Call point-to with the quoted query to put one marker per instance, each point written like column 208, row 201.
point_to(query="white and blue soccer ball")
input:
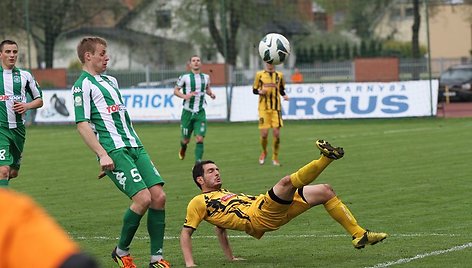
column 274, row 48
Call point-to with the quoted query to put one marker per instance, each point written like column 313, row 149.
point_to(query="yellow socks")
column 264, row 144
column 338, row 211
column 275, row 148
column 308, row 173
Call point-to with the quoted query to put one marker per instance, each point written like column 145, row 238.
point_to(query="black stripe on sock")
column 277, row 199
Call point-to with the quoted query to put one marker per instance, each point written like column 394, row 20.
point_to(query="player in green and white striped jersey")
column 192, row 87
column 105, row 126
column 15, row 84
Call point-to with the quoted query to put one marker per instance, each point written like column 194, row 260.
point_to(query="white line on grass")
column 267, row 236
column 385, row 132
column 421, row 256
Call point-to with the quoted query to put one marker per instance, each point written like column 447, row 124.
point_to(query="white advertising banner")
column 142, row 105
column 344, row 100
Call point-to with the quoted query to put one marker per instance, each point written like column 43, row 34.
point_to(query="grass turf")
column 407, row 177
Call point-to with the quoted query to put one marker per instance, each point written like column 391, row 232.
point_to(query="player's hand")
column 286, row 98
column 106, row 163
column 190, row 94
column 212, row 96
column 20, row 107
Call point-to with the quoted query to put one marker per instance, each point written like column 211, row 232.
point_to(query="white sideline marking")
column 394, row 131
column 387, row 132
column 421, row 256
column 267, row 236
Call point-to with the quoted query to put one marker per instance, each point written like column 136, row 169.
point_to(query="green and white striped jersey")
column 191, row 82
column 98, row 101
column 14, row 85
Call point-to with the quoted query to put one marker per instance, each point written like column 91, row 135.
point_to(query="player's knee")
column 159, row 199
column 328, row 191
column 5, row 172
column 142, row 200
column 199, row 139
column 285, row 181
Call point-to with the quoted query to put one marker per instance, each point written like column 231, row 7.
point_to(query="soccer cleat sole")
column 328, row 150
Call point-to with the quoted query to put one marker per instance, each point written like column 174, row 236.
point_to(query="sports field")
column 409, row 177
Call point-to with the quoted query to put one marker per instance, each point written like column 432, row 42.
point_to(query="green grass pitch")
column 408, row 177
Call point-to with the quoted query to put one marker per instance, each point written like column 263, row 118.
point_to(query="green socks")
column 156, row 224
column 198, row 151
column 130, row 226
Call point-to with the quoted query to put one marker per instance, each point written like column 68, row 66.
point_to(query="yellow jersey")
column 223, row 209
column 254, row 215
column 274, row 84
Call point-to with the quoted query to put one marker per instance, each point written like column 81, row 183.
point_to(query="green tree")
column 360, row 14
column 355, row 51
column 330, row 54
column 48, row 19
column 313, row 56
column 338, row 52
column 346, row 51
column 225, row 19
column 363, row 49
column 321, row 52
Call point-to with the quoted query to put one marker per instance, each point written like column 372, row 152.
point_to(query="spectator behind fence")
column 296, row 77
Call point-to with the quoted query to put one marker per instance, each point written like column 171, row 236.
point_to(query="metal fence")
column 342, row 71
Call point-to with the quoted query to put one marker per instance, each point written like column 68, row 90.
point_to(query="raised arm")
column 186, row 246
column 224, row 243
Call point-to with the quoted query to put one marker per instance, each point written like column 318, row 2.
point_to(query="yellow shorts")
column 270, row 119
column 269, row 215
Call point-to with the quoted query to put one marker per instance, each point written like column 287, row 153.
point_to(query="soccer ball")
column 274, row 48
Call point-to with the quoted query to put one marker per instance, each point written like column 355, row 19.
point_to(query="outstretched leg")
column 324, row 194
column 308, row 173
column 360, row 237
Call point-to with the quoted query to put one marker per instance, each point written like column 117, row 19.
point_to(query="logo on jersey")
column 11, row 97
column 76, row 90
column 77, row 101
column 16, row 79
column 116, row 108
column 228, row 197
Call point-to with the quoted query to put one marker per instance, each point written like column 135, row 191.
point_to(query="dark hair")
column 198, row 171
column 88, row 44
column 7, row 42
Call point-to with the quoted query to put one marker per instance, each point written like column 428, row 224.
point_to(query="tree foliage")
column 221, row 21
column 361, row 14
column 48, row 19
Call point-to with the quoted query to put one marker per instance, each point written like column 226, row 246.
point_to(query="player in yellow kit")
column 269, row 84
column 255, row 215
